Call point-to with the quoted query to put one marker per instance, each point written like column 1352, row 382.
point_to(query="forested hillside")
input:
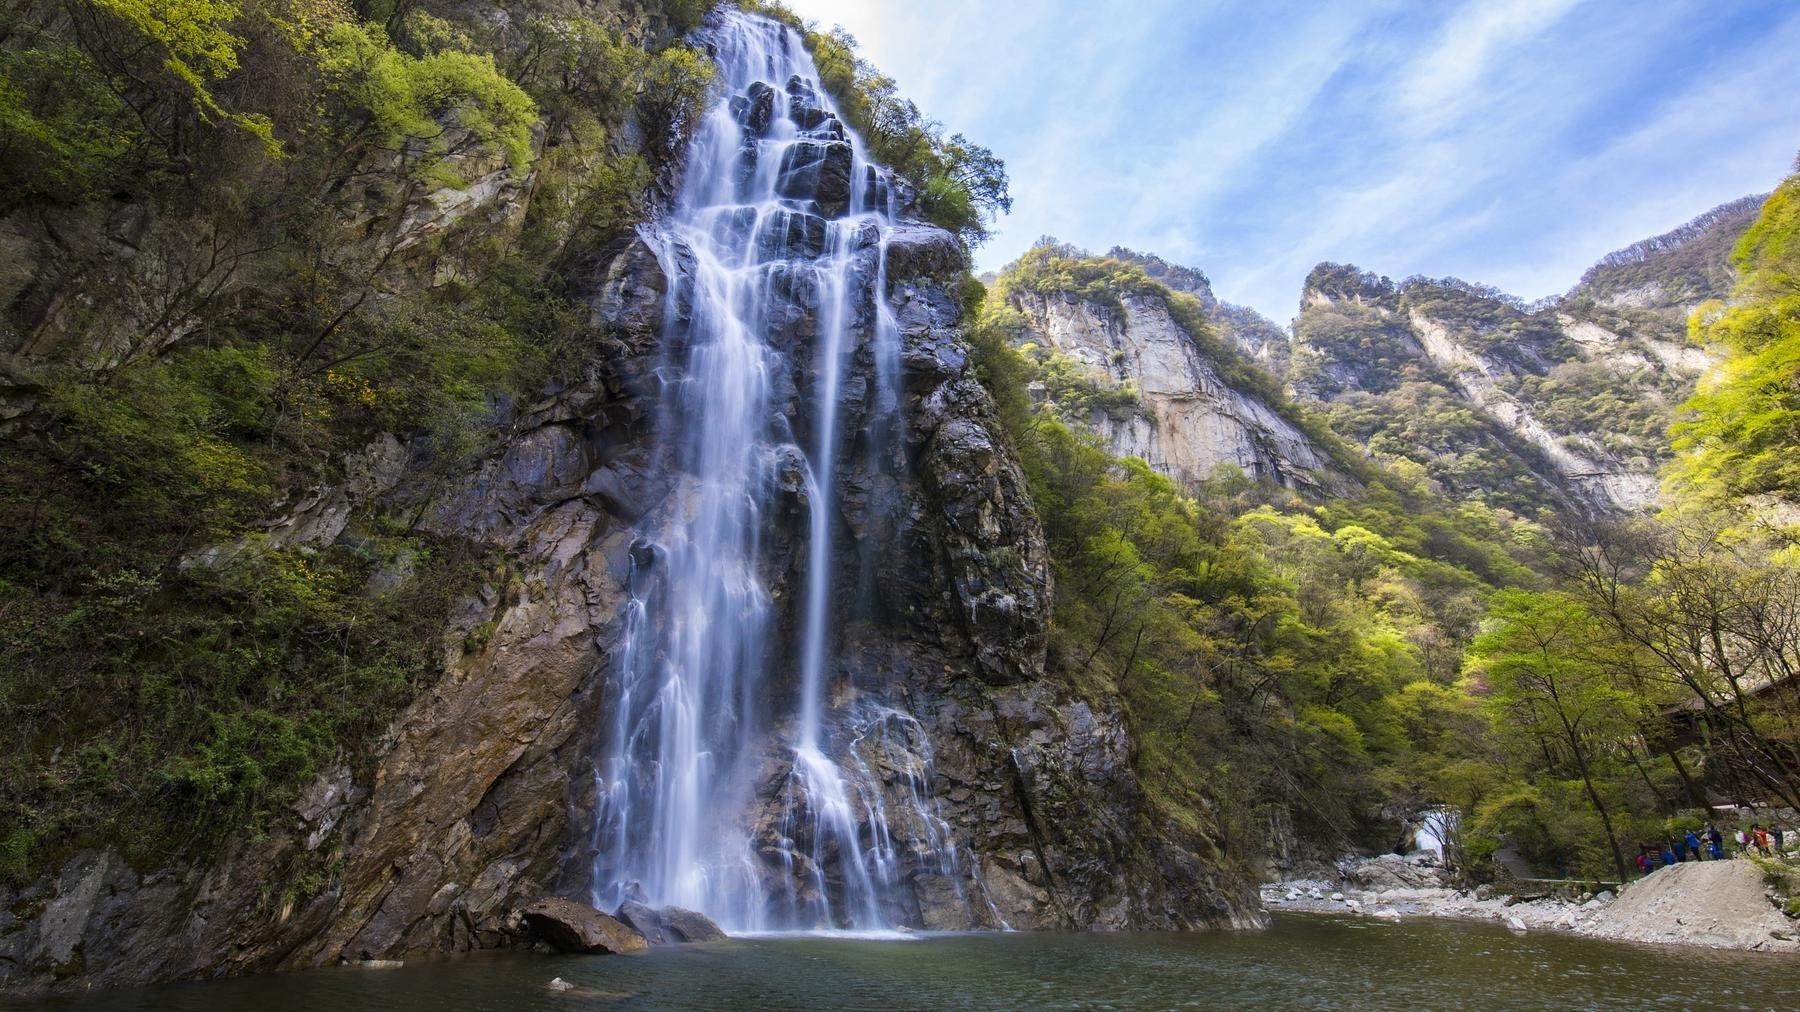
column 1288, row 660
column 1561, row 405
column 1463, row 630
column 246, row 246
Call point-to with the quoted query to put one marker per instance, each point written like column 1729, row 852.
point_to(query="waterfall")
column 776, row 252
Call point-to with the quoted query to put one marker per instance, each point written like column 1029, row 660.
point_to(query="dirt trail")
column 1722, row 904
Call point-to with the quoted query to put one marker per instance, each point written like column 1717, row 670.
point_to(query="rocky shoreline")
column 1719, row 904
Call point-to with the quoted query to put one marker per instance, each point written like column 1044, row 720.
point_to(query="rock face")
column 1191, row 419
column 476, row 807
column 1563, row 404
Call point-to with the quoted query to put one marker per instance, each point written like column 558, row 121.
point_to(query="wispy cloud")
column 1507, row 141
column 1440, row 87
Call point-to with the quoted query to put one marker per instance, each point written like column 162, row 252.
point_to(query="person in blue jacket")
column 1693, row 844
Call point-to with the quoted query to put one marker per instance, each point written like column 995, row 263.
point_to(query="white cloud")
column 1439, row 87
column 1506, row 141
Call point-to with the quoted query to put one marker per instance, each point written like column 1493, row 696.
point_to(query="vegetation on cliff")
column 1744, row 422
column 1278, row 658
column 1571, row 688
column 240, row 242
column 956, row 184
column 1566, row 402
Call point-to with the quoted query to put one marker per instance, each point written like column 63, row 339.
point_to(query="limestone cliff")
column 1566, row 403
column 1190, row 415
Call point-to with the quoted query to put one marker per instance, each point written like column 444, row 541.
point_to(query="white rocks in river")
column 1353, row 904
column 1386, row 915
column 1337, row 897
column 559, row 984
column 1517, row 924
column 1316, row 894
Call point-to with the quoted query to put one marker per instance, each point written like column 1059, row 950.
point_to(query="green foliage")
column 160, row 703
column 1272, row 656
column 406, row 100
column 195, row 44
column 170, row 672
column 63, row 133
column 960, row 185
column 1738, row 432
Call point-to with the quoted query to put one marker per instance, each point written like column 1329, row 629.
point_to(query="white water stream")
column 780, row 209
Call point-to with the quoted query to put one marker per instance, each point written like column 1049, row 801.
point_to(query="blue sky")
column 1511, row 142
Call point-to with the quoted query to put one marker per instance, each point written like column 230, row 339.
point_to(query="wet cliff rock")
column 476, row 805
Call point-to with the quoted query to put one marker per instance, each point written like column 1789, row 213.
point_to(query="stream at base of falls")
column 1301, row 962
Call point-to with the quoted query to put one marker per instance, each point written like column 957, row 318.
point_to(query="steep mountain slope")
column 1173, row 391
column 1566, row 403
column 313, row 600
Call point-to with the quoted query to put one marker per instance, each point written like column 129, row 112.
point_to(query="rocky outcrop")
column 474, row 808
column 1593, row 475
column 1567, row 402
column 567, row 926
column 1191, row 420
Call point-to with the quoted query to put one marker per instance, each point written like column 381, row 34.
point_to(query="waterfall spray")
column 780, row 208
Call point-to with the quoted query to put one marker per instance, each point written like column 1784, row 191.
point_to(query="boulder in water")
column 643, row 919
column 758, row 108
column 669, row 925
column 690, row 926
column 569, row 926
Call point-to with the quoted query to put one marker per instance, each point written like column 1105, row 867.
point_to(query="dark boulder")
column 922, row 251
column 568, row 926
column 791, row 235
column 669, row 925
column 690, row 926
column 804, row 106
column 757, row 108
column 818, row 171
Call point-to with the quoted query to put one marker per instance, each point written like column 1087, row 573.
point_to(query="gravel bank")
column 1722, row 904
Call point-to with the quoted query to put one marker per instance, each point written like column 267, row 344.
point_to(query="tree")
column 1740, row 429
column 1546, row 683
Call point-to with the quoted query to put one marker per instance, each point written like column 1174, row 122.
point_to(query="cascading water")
column 781, row 219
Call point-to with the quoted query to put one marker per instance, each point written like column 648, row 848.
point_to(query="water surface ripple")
column 1302, row 962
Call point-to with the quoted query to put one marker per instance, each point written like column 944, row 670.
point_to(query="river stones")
column 568, row 926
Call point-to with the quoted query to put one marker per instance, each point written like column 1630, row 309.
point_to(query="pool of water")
column 1301, row 962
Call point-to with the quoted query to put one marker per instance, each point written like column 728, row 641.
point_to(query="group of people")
column 1709, row 844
